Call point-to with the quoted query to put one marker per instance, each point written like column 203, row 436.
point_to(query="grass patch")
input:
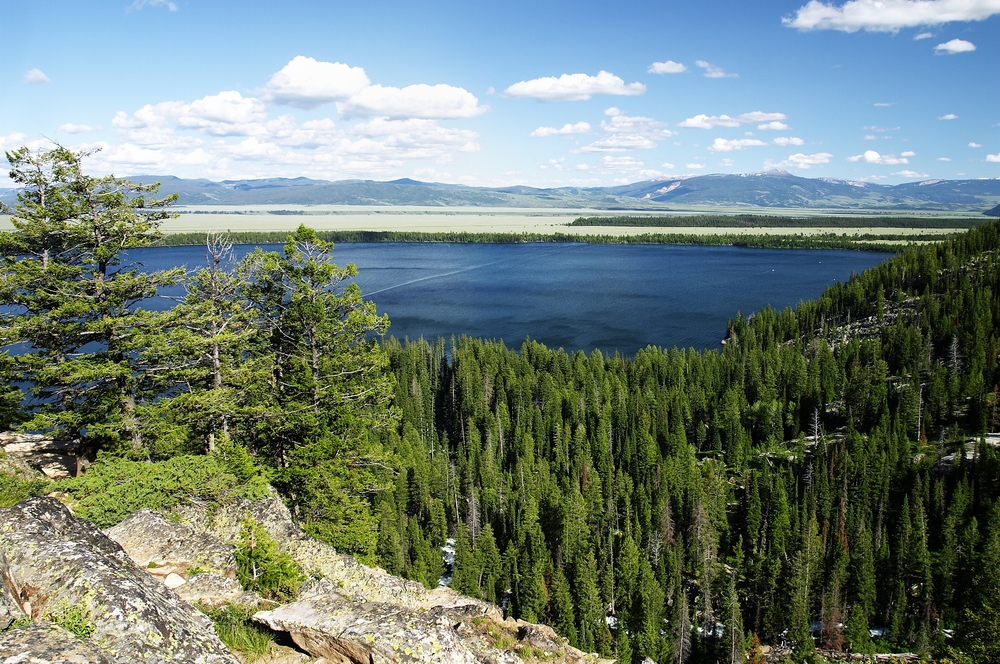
column 74, row 618
column 236, row 628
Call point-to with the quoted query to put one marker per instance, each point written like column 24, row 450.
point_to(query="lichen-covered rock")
column 214, row 591
column 52, row 559
column 352, row 578
column 327, row 624
column 41, row 643
column 163, row 547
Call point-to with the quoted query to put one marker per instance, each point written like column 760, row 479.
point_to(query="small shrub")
column 263, row 568
column 197, row 570
column 19, row 622
column 235, row 626
column 114, row 487
column 74, row 618
column 15, row 489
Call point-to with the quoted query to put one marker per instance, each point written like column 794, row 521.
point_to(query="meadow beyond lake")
column 574, row 296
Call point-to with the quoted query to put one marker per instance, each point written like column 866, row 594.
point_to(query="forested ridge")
column 828, row 470
column 817, row 469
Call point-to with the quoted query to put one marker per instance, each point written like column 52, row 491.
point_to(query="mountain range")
column 768, row 190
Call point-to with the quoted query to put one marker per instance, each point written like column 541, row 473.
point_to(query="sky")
column 538, row 93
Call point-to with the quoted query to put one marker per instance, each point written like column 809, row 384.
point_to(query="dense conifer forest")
column 827, row 480
column 824, row 472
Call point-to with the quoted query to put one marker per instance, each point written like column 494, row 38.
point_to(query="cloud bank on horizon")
column 721, row 90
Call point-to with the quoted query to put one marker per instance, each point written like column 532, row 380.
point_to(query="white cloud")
column 307, row 83
column 139, row 4
column 578, row 128
column 910, row 174
column 923, row 35
column 626, row 132
column 804, row 161
column 702, row 121
column 668, row 67
column 694, row 166
column 871, row 137
column 573, row 87
column 908, row 153
column 774, row 125
column 723, row 145
column 993, row 157
column 888, row 15
column 954, row 46
column 711, row 71
column 944, row 158
column 727, row 162
column 35, row 76
column 884, row 104
column 788, row 140
column 620, row 164
column 413, row 101
column 872, row 157
column 949, row 116
column 667, row 164
column 975, row 145
column 71, row 128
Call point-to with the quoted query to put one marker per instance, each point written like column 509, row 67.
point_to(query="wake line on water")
column 433, row 276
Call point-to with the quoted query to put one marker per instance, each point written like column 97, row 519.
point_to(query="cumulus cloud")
column 954, row 46
column 993, row 157
column 788, row 140
column 627, row 132
column 35, row 76
column 948, row 116
column 668, row 67
column 620, row 164
column 774, row 125
column 884, row 104
column 975, row 145
column 910, row 174
column 872, row 157
column 712, row 71
column 71, row 128
column 307, row 83
column 804, row 161
column 944, row 158
column 694, row 166
column 723, row 145
column 667, row 164
column 888, row 15
column 702, row 121
column 413, row 101
column 574, row 87
column 578, row 128
column 908, row 153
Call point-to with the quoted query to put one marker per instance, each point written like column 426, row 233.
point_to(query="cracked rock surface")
column 51, row 559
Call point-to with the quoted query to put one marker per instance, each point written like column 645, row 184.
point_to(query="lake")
column 574, row 296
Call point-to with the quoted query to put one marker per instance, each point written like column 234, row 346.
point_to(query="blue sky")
column 537, row 93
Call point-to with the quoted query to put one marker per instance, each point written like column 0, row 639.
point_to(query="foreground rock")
column 360, row 615
column 49, row 559
column 163, row 547
column 47, row 644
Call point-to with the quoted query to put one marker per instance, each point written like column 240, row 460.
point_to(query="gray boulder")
column 51, row 559
column 163, row 547
column 40, row 643
column 215, row 591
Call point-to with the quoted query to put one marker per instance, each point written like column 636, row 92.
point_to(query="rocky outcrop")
column 163, row 547
column 47, row 644
column 51, row 559
column 55, row 458
column 214, row 591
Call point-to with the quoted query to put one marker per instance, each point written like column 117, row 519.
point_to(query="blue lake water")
column 574, row 296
